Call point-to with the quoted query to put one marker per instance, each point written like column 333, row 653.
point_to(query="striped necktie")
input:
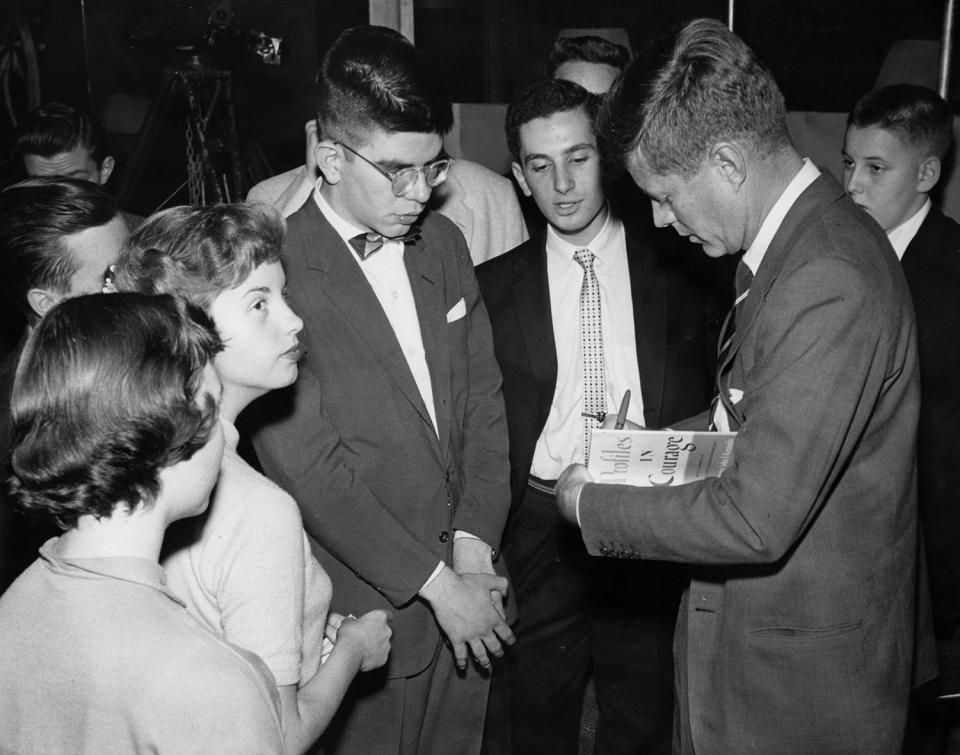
column 742, row 282
column 591, row 347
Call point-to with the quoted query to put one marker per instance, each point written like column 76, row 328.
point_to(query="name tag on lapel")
column 457, row 311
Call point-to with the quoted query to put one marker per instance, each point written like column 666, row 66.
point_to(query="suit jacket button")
column 444, row 536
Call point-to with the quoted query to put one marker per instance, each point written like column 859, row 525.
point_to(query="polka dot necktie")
column 591, row 348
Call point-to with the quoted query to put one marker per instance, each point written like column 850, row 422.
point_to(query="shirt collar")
column 140, row 571
column 901, row 236
column 807, row 174
column 344, row 229
column 603, row 244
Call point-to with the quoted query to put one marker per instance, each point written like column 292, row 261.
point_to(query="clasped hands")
column 467, row 601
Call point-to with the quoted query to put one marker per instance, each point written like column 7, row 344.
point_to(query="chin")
column 714, row 250
column 569, row 225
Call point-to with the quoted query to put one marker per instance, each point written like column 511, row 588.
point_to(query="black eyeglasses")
column 401, row 181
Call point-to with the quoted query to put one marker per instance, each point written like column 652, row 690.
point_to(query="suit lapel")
column 530, row 289
column 340, row 279
column 649, row 298
column 928, row 244
column 823, row 190
column 425, row 271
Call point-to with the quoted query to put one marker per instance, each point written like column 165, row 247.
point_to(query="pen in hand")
column 622, row 413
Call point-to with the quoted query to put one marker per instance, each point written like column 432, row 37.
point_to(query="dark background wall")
column 824, row 53
column 110, row 55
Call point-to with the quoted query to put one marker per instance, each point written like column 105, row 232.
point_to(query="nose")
column 662, row 215
column 419, row 191
column 562, row 180
column 852, row 180
column 292, row 319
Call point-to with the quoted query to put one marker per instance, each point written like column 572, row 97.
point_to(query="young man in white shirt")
column 577, row 614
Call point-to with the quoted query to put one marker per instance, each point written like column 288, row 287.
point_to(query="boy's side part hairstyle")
column 105, row 396
column 198, row 252
column 542, row 100
column 374, row 78
column 36, row 215
column 54, row 128
column 588, row 49
column 917, row 114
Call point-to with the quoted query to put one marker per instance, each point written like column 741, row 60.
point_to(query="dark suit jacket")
column 675, row 344
column 380, row 494
column 797, row 632
column 931, row 265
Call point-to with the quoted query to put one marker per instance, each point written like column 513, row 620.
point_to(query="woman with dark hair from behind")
column 245, row 569
column 115, row 437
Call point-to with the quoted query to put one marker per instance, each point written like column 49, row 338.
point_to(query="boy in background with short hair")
column 893, row 152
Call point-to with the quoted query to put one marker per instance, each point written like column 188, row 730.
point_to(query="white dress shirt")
column 387, row 276
column 561, row 442
column 901, row 236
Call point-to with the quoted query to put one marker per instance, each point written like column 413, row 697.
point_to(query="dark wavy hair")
column 105, row 396
column 53, row 128
column 36, row 216
column 543, row 100
column 198, row 252
column 588, row 49
column 683, row 94
column 373, row 78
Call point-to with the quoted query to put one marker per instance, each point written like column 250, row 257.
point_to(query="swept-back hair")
column 589, row 49
column 543, row 100
column 674, row 107
column 54, row 128
column 371, row 78
column 918, row 115
column 36, row 215
column 106, row 396
column 198, row 252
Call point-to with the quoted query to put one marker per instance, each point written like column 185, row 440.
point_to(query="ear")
column 329, row 157
column 106, row 169
column 518, row 174
column 928, row 174
column 728, row 159
column 42, row 300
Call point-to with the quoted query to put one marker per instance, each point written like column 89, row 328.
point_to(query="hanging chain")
column 195, row 188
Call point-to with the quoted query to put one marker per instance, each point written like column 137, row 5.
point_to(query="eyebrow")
column 399, row 165
column 257, row 290
column 881, row 158
column 567, row 151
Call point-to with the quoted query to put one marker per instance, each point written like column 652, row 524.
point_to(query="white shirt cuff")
column 436, row 573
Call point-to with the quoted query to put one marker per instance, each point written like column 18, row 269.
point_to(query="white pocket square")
column 459, row 310
column 736, row 395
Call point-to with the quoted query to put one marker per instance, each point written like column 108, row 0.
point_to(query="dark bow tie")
column 366, row 244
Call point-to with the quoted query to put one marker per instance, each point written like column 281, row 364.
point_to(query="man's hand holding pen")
column 575, row 476
column 616, row 421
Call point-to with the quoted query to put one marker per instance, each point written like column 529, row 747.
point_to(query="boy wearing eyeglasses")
column 394, row 440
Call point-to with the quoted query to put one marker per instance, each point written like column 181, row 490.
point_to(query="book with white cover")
column 656, row 458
